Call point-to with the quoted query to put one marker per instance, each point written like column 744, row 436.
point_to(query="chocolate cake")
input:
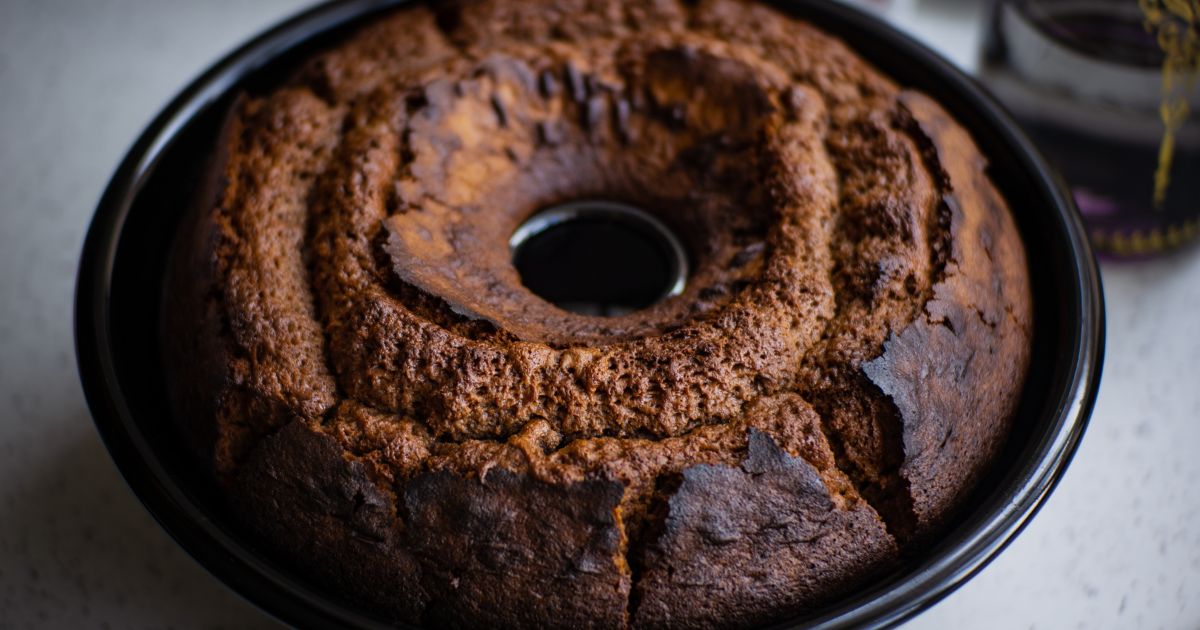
column 392, row 412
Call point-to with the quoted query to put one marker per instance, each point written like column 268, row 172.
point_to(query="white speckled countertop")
column 1116, row 546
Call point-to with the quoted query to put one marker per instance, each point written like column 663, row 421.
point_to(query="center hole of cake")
column 599, row 258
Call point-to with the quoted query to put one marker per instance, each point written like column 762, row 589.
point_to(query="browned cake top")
column 858, row 293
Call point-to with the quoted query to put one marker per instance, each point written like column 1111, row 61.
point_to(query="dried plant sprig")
column 1176, row 26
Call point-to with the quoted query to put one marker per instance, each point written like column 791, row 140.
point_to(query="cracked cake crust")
column 351, row 352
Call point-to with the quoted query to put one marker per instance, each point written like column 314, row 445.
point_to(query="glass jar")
column 1108, row 90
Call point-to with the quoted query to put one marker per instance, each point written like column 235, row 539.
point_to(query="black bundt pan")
column 120, row 284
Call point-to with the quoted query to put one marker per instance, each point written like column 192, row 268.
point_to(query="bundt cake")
column 393, row 413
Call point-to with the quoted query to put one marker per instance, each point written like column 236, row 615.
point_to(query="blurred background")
column 1116, row 546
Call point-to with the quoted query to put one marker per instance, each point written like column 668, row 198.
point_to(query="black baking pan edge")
column 1056, row 403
